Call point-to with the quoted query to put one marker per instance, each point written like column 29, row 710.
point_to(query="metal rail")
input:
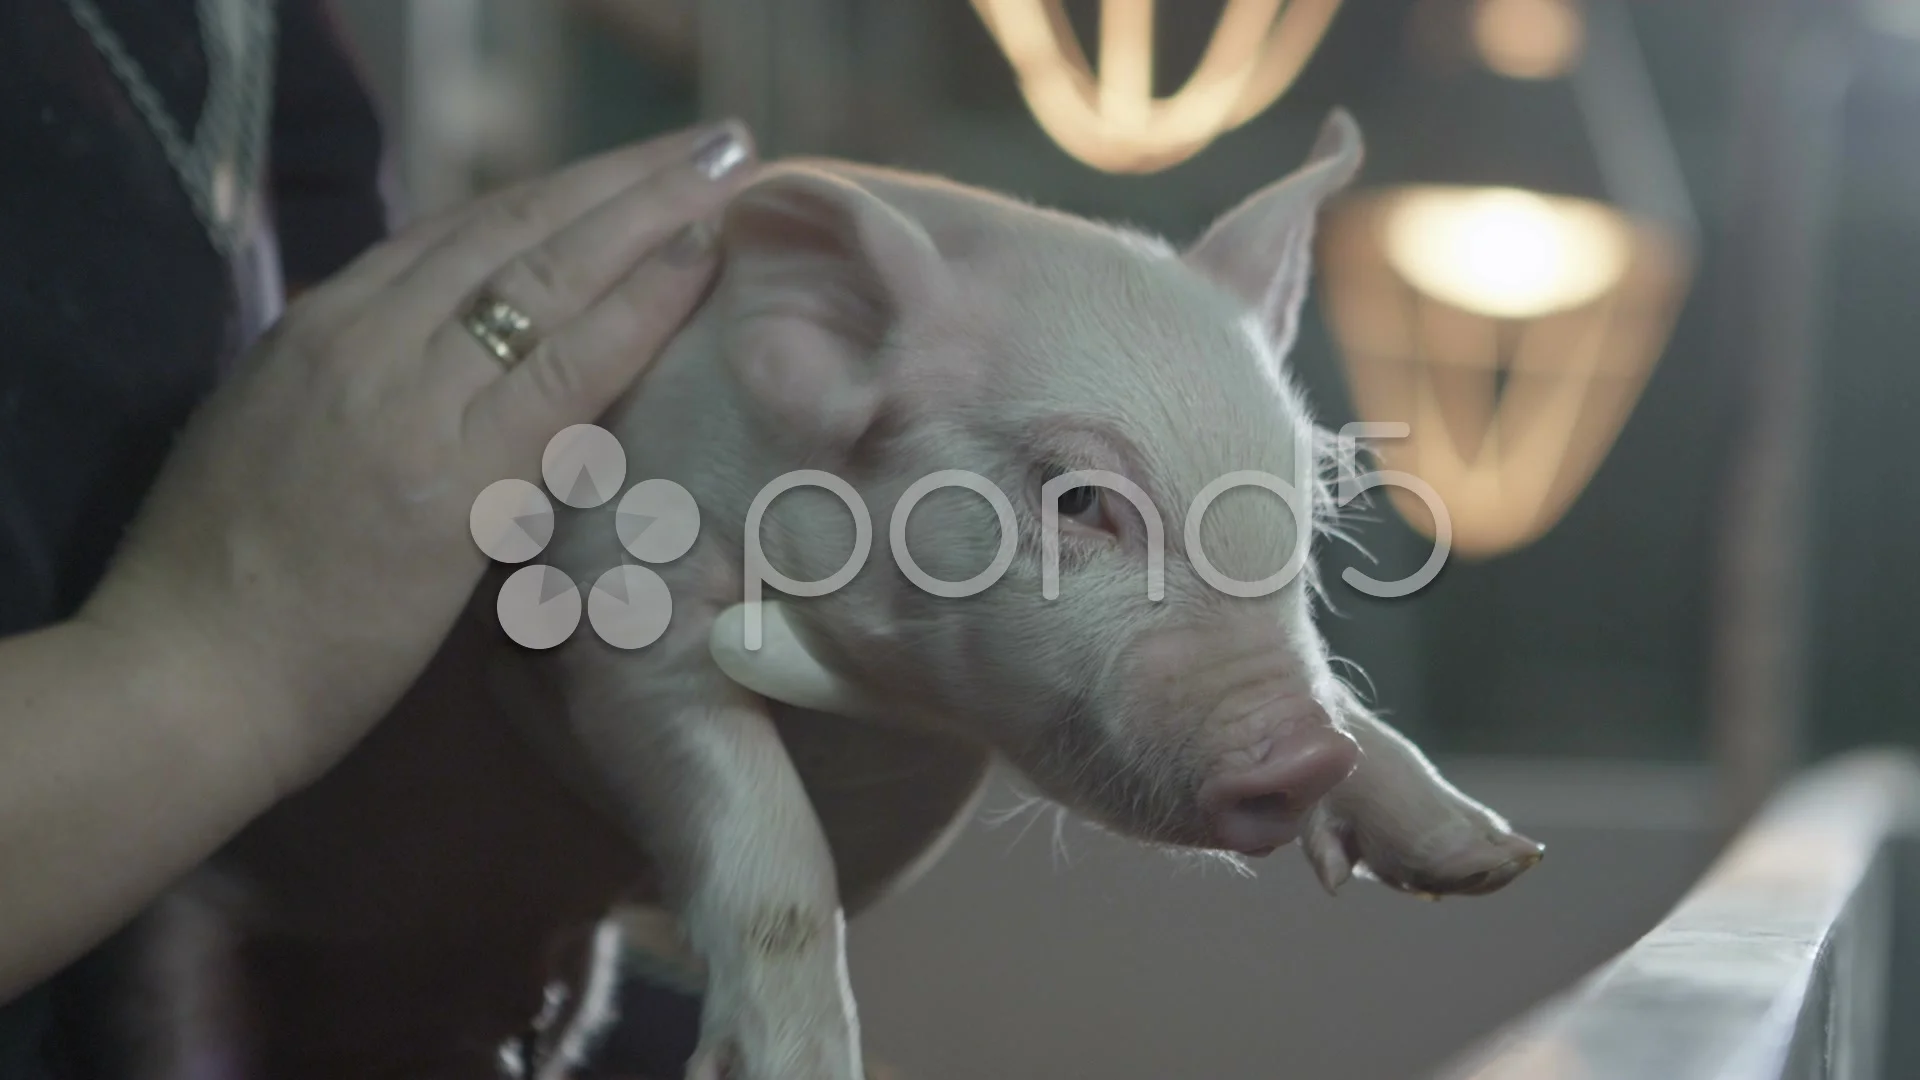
column 1778, row 965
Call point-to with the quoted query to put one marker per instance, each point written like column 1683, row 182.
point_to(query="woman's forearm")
column 124, row 761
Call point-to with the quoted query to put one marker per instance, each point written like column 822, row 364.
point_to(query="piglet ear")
column 820, row 272
column 1262, row 250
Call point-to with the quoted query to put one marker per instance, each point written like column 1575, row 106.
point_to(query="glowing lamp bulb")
column 1503, row 252
column 1528, row 39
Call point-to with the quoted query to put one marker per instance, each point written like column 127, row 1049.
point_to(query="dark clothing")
column 119, row 312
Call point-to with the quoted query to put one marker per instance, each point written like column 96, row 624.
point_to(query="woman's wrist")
column 125, row 760
column 207, row 675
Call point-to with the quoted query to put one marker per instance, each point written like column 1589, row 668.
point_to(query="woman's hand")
column 308, row 540
column 307, row 547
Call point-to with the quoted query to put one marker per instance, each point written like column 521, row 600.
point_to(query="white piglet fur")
column 882, row 326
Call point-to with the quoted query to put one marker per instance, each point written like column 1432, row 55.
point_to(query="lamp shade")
column 1105, row 113
column 1512, row 332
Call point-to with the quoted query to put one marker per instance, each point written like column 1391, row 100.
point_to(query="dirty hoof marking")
column 783, row 931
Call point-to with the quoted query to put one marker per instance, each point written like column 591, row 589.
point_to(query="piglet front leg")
column 1397, row 821
column 696, row 767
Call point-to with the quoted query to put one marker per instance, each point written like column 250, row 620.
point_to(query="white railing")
column 1775, row 966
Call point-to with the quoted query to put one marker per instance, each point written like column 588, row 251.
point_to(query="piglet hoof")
column 716, row 1063
column 730, row 1060
column 1448, row 862
column 802, row 1059
column 777, row 1021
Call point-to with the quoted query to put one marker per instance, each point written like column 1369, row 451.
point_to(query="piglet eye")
column 1075, row 502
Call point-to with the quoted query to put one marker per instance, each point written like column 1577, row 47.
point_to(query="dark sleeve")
column 328, row 149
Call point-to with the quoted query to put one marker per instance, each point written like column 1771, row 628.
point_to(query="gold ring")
column 503, row 329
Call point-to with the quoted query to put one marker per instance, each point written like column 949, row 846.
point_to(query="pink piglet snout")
column 1258, row 808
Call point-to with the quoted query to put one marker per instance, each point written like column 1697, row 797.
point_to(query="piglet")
column 875, row 328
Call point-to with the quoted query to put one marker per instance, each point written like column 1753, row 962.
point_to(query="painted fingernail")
column 689, row 245
column 721, row 152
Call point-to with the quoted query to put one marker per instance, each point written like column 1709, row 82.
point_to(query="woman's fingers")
column 445, row 277
column 552, row 283
column 578, row 373
column 562, row 197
